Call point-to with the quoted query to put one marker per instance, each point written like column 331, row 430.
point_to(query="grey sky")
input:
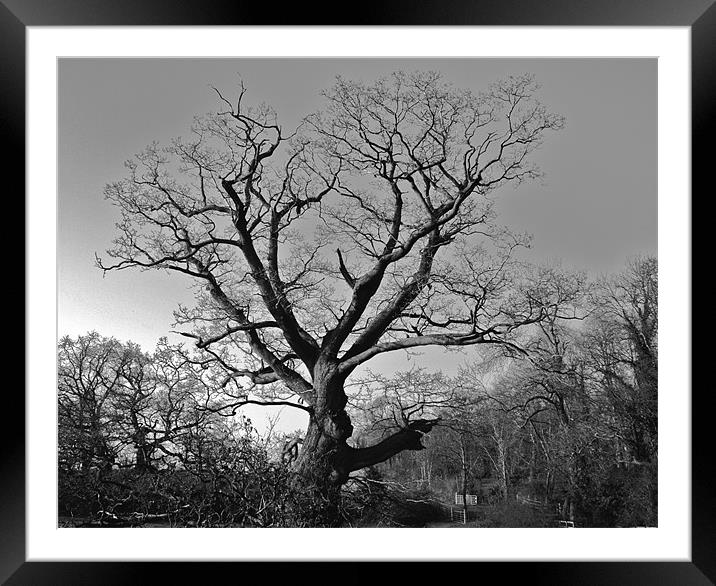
column 596, row 206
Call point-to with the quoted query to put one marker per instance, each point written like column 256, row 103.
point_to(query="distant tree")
column 623, row 346
column 87, row 379
column 318, row 250
column 120, row 406
column 162, row 397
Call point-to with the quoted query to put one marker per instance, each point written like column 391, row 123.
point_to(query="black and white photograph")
column 357, row 293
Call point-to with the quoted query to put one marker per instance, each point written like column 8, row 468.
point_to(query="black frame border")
column 699, row 15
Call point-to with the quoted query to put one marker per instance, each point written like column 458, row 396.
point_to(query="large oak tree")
column 367, row 230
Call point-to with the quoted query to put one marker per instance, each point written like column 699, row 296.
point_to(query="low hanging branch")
column 408, row 438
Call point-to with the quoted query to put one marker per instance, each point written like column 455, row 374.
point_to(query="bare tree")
column 87, row 379
column 623, row 350
column 161, row 397
column 316, row 251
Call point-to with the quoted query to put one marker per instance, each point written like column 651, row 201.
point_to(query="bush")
column 234, row 498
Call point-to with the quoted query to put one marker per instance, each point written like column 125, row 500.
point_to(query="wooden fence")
column 458, row 515
column 470, row 498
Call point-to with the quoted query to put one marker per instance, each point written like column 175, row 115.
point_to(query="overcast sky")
column 596, row 206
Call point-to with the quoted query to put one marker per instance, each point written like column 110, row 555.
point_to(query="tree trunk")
column 502, row 468
column 323, row 465
column 426, row 472
column 325, row 459
column 144, row 458
column 143, row 450
column 465, row 469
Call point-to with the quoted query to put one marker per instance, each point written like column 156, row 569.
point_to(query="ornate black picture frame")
column 17, row 15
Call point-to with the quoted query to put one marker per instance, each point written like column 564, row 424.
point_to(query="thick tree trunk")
column 323, row 462
column 143, row 450
column 144, row 458
column 326, row 460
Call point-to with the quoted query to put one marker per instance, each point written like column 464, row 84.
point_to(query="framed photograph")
column 321, row 293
